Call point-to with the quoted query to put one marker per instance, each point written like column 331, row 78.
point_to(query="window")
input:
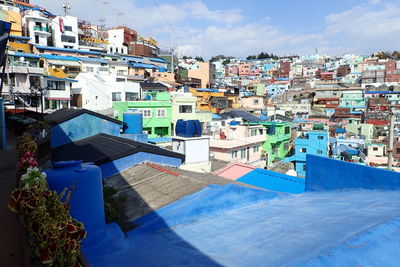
column 161, row 113
column 222, row 123
column 116, row 96
column 146, row 113
column 120, row 72
column 398, row 150
column 34, row 81
column 287, row 130
column 320, row 137
column 68, row 28
column 253, row 132
column 68, row 39
column 375, row 148
column 256, row 149
column 303, row 150
column 185, row 109
column 304, row 167
column 319, row 151
column 255, row 102
column 119, row 80
column 56, row 85
column 131, row 96
column 234, row 154
column 89, row 69
column 36, row 39
column 243, row 153
column 286, row 146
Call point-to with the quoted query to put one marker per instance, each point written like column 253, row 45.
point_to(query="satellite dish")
column 63, row 67
column 53, row 67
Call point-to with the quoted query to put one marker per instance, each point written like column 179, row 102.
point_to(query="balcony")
column 42, row 29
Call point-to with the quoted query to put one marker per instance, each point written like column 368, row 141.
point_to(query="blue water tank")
column 133, row 120
column 188, row 128
column 87, row 204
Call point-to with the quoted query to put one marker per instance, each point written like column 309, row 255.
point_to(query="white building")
column 98, row 92
column 116, row 42
column 36, row 26
column 65, row 32
column 57, row 94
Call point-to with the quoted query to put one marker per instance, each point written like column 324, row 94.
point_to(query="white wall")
column 67, row 21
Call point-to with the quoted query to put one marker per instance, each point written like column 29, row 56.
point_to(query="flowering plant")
column 27, row 161
column 55, row 237
column 33, row 177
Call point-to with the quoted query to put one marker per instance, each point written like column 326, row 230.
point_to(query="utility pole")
column 172, row 55
column 390, row 145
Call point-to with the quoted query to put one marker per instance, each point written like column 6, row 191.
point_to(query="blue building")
column 314, row 143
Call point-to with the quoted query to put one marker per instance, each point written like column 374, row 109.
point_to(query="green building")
column 277, row 144
column 157, row 114
column 361, row 129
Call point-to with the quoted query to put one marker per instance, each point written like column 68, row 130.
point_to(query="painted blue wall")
column 125, row 163
column 324, row 174
column 315, row 143
column 81, row 127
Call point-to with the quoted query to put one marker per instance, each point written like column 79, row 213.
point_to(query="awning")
column 58, row 98
column 64, row 62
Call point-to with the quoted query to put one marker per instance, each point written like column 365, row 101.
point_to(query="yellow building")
column 12, row 14
column 210, row 100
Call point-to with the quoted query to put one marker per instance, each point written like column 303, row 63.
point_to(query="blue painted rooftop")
column 95, row 60
column 141, row 65
column 274, row 181
column 160, row 60
column 60, row 79
column 59, row 57
column 158, row 140
column 19, row 37
column 236, row 226
column 67, row 50
column 340, row 130
column 382, row 92
column 29, row 55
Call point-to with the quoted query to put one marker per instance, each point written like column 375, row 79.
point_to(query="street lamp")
column 42, row 91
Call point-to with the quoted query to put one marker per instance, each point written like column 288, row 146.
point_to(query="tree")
column 251, row 57
column 199, row 59
column 226, row 61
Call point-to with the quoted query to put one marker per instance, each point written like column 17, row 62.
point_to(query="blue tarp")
column 274, row 181
column 236, row 226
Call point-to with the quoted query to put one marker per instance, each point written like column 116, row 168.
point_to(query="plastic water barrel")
column 86, row 204
column 133, row 120
column 188, row 128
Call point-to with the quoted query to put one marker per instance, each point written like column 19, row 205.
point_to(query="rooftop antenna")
column 316, row 51
column 102, row 18
column 66, row 6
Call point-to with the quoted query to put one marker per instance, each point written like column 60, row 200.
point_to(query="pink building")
column 239, row 143
column 244, row 69
column 252, row 103
column 234, row 170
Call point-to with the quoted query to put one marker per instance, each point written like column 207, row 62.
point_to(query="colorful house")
column 277, row 144
column 157, row 114
column 314, row 143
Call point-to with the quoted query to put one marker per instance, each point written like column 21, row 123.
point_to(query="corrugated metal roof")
column 67, row 50
column 142, row 65
column 89, row 59
column 274, row 181
column 160, row 60
column 56, row 57
column 20, row 54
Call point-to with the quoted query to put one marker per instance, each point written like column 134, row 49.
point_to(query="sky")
column 240, row 28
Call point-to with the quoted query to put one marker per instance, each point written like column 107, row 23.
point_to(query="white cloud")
column 374, row 25
column 200, row 11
